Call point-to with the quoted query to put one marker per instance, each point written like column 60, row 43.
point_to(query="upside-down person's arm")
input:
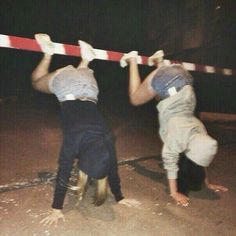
column 113, row 176
column 114, row 180
column 180, row 198
column 170, row 160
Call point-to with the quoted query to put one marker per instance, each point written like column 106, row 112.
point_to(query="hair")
column 101, row 193
column 190, row 175
column 82, row 185
column 101, row 190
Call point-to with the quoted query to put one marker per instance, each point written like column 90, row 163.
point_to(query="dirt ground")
column 30, row 140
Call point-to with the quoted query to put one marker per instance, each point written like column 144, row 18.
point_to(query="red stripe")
column 72, row 50
column 114, row 56
column 200, row 68
column 218, row 70
column 175, row 62
column 144, row 60
column 24, row 43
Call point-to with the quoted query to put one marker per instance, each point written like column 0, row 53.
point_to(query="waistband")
column 71, row 97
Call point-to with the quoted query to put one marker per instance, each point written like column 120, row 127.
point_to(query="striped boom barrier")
column 20, row 43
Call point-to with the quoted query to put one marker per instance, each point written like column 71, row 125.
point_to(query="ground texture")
column 30, row 141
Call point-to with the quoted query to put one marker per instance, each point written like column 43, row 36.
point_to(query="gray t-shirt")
column 74, row 83
column 181, row 132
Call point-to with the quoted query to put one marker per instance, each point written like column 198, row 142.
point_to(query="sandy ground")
column 29, row 144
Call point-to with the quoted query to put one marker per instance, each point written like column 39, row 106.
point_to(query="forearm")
column 115, row 189
column 113, row 176
column 59, row 195
column 62, row 180
column 170, row 161
column 42, row 68
column 206, row 177
column 175, row 193
column 173, row 186
column 114, row 181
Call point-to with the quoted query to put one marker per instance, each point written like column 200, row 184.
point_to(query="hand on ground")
column 53, row 218
column 180, row 199
column 217, row 188
column 130, row 202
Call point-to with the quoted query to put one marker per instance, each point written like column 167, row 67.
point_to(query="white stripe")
column 100, row 54
column 59, row 48
column 5, row 41
column 140, row 60
column 167, row 62
column 227, row 72
column 210, row 69
column 189, row 66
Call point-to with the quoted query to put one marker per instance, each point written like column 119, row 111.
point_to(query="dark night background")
column 197, row 31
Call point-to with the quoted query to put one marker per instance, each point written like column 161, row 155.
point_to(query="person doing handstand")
column 86, row 135
column 183, row 134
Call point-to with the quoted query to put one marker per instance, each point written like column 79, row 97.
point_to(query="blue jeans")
column 97, row 158
column 170, row 76
column 87, row 138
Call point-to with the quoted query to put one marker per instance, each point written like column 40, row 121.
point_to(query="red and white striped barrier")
column 74, row 50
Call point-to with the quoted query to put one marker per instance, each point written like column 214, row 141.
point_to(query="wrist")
column 56, row 210
column 172, row 194
column 206, row 181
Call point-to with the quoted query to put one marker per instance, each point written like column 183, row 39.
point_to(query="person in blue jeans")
column 187, row 148
column 86, row 135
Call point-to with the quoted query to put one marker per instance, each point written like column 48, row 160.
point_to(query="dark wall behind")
column 194, row 31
